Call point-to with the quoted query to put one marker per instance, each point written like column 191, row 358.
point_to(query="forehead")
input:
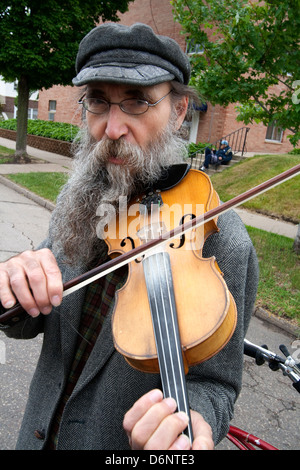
column 113, row 89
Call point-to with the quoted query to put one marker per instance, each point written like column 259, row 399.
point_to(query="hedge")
column 194, row 148
column 50, row 129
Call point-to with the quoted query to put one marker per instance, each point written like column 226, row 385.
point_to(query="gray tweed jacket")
column 108, row 386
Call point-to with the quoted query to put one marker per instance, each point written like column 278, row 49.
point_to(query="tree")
column 250, row 57
column 39, row 41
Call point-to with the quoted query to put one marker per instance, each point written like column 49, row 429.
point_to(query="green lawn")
column 46, row 185
column 5, row 154
column 279, row 284
column 282, row 201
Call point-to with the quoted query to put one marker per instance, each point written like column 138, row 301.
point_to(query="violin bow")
column 100, row 271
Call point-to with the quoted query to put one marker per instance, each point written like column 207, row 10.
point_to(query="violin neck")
column 159, row 282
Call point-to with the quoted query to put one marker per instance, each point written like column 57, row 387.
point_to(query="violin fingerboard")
column 159, row 282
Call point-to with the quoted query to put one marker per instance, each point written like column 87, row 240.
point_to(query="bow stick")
column 90, row 276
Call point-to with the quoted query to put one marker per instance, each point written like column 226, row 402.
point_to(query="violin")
column 165, row 320
column 174, row 310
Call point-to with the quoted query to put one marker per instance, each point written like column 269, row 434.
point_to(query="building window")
column 274, row 133
column 52, row 110
column 32, row 113
column 194, row 48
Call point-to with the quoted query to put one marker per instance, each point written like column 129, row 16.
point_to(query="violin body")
column 205, row 309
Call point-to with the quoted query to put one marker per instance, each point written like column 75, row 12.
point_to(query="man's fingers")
column 8, row 300
column 167, row 433
column 139, row 409
column 34, row 279
column 37, row 281
column 14, row 286
column 54, row 279
column 153, row 423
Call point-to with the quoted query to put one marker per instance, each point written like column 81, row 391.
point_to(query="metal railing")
column 236, row 140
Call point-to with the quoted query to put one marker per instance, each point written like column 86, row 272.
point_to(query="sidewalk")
column 49, row 161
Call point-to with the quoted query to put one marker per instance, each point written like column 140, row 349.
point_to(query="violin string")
column 164, row 284
column 162, row 356
column 68, row 321
column 158, row 334
column 174, row 324
column 163, row 307
column 162, row 318
column 183, row 399
column 172, row 369
column 167, row 282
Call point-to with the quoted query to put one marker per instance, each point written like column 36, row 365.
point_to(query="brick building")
column 209, row 125
column 8, row 94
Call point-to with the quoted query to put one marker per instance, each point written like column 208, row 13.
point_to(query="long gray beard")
column 75, row 225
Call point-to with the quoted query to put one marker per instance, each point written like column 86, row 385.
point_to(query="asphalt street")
column 268, row 406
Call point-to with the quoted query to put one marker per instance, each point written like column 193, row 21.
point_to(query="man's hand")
column 153, row 424
column 33, row 279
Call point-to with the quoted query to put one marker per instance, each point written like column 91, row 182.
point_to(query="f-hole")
column 182, row 238
column 123, row 243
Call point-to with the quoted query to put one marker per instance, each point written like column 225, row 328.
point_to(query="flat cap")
column 132, row 55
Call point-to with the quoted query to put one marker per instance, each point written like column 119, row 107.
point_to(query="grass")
column 46, row 185
column 6, row 154
column 279, row 285
column 281, row 202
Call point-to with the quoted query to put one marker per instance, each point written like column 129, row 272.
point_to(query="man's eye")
column 96, row 101
column 141, row 102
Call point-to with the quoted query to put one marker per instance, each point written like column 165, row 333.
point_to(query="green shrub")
column 295, row 152
column 50, row 129
column 194, row 148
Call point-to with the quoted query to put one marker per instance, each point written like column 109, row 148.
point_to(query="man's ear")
column 181, row 110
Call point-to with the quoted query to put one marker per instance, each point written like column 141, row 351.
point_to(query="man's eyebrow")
column 94, row 92
column 128, row 93
column 138, row 93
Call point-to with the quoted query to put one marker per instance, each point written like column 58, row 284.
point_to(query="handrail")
column 236, row 140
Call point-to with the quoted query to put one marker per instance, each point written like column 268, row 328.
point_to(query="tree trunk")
column 22, row 120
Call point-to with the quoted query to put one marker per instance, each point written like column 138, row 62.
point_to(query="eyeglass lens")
column 131, row 106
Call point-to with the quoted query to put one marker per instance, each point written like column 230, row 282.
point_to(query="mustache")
column 102, row 151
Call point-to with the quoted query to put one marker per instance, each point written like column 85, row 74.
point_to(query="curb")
column 278, row 322
column 25, row 192
column 259, row 312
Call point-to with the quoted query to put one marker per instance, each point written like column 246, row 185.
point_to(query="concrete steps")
column 198, row 162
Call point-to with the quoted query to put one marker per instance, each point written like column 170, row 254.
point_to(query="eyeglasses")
column 128, row 106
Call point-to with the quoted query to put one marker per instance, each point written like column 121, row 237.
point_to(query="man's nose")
column 116, row 123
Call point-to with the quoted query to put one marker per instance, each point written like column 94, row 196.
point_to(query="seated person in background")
column 220, row 157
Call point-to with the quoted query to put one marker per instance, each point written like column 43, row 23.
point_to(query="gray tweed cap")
column 132, row 55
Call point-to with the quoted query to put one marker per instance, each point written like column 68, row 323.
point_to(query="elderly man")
column 84, row 395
